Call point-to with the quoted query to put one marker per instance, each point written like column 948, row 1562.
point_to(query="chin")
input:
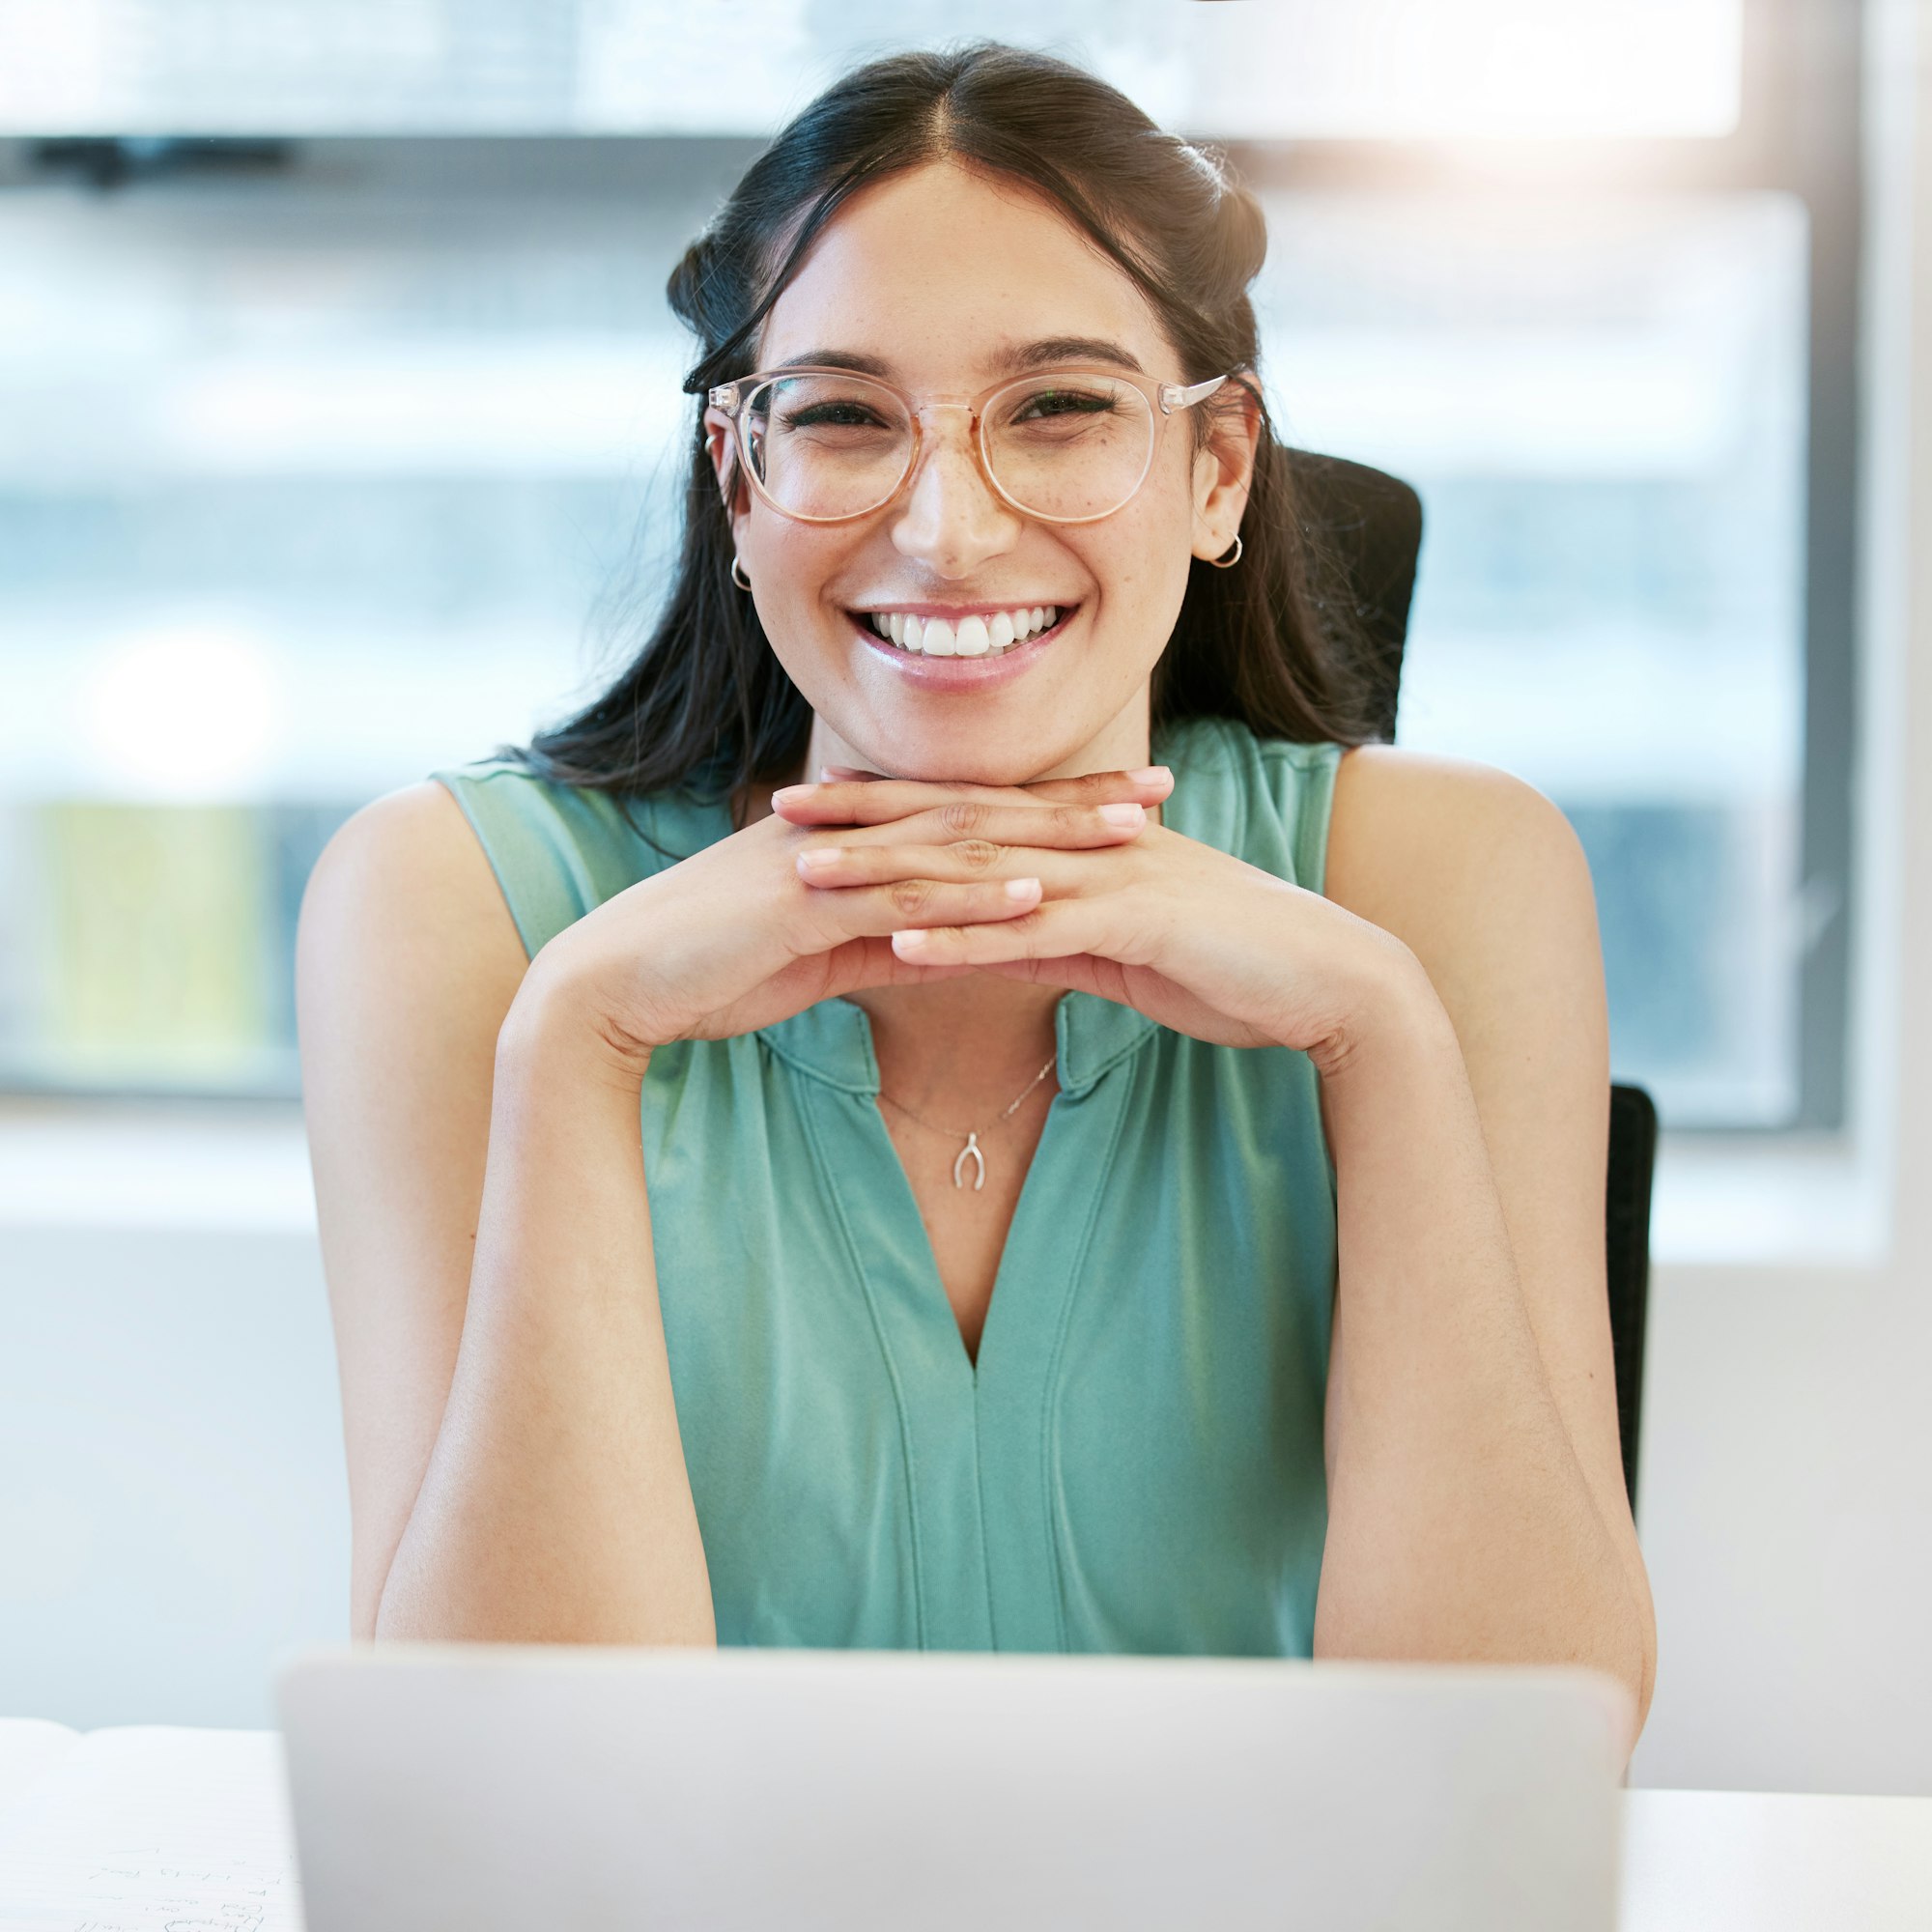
column 951, row 763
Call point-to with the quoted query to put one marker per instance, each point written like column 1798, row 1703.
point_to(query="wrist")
column 1393, row 1012
column 554, row 1019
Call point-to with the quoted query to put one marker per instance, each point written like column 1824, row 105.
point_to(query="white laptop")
column 505, row 1788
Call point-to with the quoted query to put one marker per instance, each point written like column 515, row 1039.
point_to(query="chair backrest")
column 1369, row 526
column 1627, row 1216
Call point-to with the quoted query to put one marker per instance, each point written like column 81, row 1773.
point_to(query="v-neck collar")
column 832, row 1041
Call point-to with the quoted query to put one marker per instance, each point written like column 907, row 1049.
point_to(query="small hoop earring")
column 1228, row 562
column 738, row 576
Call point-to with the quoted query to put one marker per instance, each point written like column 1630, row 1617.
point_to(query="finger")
column 966, row 863
column 866, row 855
column 873, row 801
column 1149, row 785
column 879, row 911
column 980, row 821
column 875, row 964
column 955, row 865
column 1051, row 930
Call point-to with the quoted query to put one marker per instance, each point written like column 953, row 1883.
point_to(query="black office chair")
column 1370, row 525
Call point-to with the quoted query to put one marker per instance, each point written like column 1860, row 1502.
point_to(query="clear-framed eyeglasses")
column 1067, row 445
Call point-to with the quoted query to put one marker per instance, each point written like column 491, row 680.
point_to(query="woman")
column 983, row 877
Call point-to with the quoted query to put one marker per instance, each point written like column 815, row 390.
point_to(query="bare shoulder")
column 1448, row 853
column 407, row 964
column 410, row 858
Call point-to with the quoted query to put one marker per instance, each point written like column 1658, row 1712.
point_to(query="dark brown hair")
column 705, row 702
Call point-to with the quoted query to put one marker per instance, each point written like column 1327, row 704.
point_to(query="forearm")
column 1461, row 1523
column 556, row 1506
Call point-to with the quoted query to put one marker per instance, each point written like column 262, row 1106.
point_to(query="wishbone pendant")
column 972, row 1147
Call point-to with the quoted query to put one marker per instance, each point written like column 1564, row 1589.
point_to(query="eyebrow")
column 1045, row 353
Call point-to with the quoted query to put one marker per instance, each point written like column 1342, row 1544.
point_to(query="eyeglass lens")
column 1060, row 447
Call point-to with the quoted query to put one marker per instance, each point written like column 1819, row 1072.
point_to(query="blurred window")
column 1302, row 69
column 1604, row 408
column 327, row 460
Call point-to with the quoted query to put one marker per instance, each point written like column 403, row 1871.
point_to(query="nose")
column 950, row 519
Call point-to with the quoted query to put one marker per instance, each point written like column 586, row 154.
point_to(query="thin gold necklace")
column 972, row 1134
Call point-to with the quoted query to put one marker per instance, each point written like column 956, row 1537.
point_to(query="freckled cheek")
column 1145, row 560
column 792, row 565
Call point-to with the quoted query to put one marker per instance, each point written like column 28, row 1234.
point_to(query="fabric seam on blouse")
column 1049, row 1455
column 979, row 1500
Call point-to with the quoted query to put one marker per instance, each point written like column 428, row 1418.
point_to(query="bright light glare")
column 190, row 711
column 54, row 62
column 1406, row 69
column 1253, row 69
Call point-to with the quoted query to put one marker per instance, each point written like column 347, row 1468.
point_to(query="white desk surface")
column 1775, row 1861
column 1693, row 1861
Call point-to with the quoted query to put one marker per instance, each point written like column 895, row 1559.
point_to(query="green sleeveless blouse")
column 1135, row 1464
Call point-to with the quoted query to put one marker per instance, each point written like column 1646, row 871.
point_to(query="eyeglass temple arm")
column 1174, row 397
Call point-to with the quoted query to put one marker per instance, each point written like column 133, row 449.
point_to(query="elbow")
column 1631, row 1664
column 1636, row 1665
column 1623, row 1651
column 1645, row 1676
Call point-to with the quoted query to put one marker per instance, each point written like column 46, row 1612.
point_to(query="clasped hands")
column 1134, row 911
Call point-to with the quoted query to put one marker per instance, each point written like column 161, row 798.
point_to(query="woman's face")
column 942, row 279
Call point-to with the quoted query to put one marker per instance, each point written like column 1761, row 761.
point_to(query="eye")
column 839, row 415
column 1045, row 404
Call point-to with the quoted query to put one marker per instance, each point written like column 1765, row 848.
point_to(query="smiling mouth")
column 979, row 635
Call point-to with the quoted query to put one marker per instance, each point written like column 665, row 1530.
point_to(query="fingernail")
column 820, row 858
column 1123, row 815
column 791, row 791
column 1150, row 774
column 1022, row 889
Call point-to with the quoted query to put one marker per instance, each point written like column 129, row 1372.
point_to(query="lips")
column 954, row 672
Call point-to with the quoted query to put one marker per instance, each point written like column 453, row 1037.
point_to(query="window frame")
column 1801, row 132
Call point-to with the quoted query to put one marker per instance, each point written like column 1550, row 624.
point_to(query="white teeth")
column 971, row 637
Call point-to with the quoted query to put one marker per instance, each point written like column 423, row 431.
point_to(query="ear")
column 721, row 446
column 1224, row 466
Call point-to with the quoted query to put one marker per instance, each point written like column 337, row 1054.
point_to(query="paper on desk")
column 144, row 1827
column 29, row 1750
